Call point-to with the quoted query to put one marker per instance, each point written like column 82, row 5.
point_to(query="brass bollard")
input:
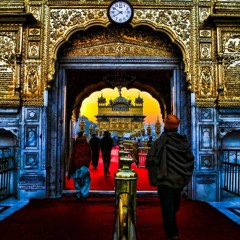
column 125, row 201
column 122, row 153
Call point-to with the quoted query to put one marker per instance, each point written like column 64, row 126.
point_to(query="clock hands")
column 116, row 9
column 119, row 12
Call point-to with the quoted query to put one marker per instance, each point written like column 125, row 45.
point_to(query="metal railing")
column 231, row 170
column 137, row 153
column 6, row 171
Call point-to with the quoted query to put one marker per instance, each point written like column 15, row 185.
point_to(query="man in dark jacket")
column 95, row 146
column 106, row 145
column 176, row 164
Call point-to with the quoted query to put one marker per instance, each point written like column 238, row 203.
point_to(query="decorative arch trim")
column 174, row 22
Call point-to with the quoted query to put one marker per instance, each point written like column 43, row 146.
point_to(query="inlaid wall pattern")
column 31, row 139
column 207, row 162
column 206, row 114
column 206, row 137
column 32, row 114
column 31, row 161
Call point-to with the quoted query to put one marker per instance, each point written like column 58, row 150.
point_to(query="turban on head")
column 171, row 122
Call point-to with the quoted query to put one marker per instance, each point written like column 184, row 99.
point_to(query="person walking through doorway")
column 79, row 166
column 106, row 145
column 175, row 171
column 95, row 146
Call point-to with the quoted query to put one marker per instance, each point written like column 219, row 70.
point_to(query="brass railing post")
column 125, row 201
column 121, row 153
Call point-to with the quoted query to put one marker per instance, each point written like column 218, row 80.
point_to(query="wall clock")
column 120, row 11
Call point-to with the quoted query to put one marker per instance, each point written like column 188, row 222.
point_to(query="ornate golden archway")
column 174, row 23
column 119, row 45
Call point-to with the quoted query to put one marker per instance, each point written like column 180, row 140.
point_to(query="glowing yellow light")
column 151, row 108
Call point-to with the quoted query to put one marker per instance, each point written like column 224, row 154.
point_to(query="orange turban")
column 171, row 122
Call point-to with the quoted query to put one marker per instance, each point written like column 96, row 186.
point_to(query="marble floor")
column 10, row 205
column 229, row 207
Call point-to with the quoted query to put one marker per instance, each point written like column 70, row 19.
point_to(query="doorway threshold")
column 109, row 193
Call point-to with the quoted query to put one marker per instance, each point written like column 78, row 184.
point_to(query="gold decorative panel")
column 230, row 46
column 206, row 80
column 205, row 51
column 34, row 49
column 36, row 12
column 64, row 22
column 9, row 54
column 205, row 33
column 204, row 12
column 32, row 80
column 209, row 52
column 120, row 41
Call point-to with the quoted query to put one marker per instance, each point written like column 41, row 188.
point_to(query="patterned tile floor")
column 231, row 208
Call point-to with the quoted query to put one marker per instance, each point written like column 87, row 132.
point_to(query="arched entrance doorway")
column 147, row 60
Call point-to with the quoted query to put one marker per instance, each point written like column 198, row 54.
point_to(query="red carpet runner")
column 68, row 219
column 101, row 182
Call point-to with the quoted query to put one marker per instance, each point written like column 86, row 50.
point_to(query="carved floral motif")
column 115, row 41
column 231, row 63
column 8, row 48
column 205, row 33
column 36, row 11
column 231, row 48
column 34, row 49
column 32, row 79
column 205, row 51
column 176, row 20
column 206, row 81
column 8, row 64
column 34, row 32
column 63, row 21
column 203, row 14
column 231, row 42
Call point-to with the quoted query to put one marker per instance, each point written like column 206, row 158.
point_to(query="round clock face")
column 120, row 11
